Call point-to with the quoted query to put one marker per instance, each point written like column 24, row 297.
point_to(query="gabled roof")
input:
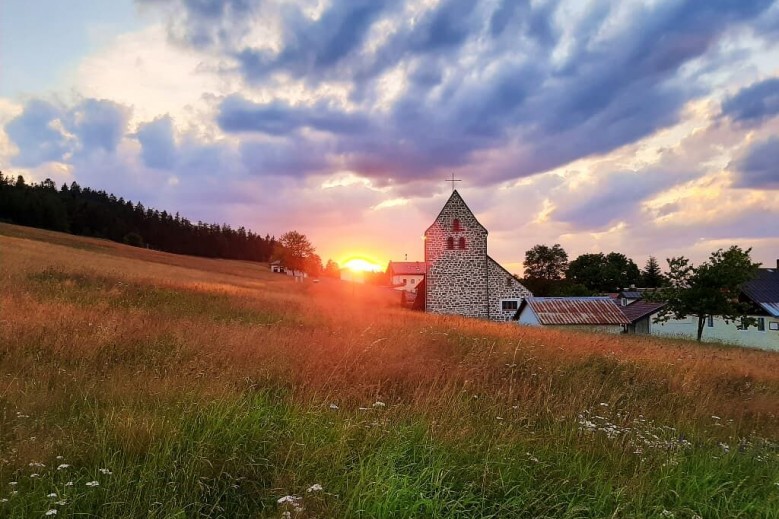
column 454, row 197
column 763, row 290
column 638, row 310
column 630, row 294
column 574, row 310
column 406, row 268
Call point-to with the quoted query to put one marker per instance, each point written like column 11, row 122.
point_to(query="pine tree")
column 651, row 275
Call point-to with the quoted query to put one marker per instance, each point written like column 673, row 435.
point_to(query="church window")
column 456, row 225
column 461, row 243
column 450, row 243
column 509, row 304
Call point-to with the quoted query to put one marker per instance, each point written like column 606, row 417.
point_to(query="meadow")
column 135, row 383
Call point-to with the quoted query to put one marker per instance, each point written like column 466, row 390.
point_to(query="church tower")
column 456, row 258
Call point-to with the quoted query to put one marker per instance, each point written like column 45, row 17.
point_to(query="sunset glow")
column 359, row 264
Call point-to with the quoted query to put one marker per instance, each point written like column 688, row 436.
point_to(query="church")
column 461, row 278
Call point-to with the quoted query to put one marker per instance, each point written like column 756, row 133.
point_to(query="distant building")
column 277, row 267
column 406, row 275
column 461, row 278
column 762, row 293
column 640, row 314
column 597, row 314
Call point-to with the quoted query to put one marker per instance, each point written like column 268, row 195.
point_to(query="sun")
column 361, row 264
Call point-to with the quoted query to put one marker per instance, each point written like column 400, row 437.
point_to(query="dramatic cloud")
column 158, row 148
column 759, row 167
column 754, row 103
column 38, row 134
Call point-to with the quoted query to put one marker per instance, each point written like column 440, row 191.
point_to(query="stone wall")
column 456, row 279
column 502, row 285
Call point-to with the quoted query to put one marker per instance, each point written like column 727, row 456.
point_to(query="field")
column 135, row 383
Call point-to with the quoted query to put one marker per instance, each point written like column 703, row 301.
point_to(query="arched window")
column 450, row 243
column 456, row 225
column 461, row 243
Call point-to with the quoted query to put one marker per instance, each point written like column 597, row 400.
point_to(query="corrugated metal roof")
column 639, row 309
column 576, row 310
column 764, row 290
column 400, row 268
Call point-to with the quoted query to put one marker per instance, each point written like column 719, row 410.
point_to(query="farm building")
column 597, row 314
column 461, row 278
column 640, row 314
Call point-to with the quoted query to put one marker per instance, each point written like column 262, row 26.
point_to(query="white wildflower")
column 13, row 483
column 379, row 403
column 286, row 515
column 69, row 484
column 667, row 513
column 604, row 404
column 36, row 464
column 63, row 466
column 61, row 502
column 93, row 484
column 499, row 418
column 35, row 475
column 4, row 500
column 53, row 511
column 107, row 472
column 316, row 487
column 60, row 457
column 725, row 447
column 715, row 417
column 333, row 407
column 52, row 495
column 288, row 500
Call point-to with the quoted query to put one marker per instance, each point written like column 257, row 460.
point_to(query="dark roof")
column 400, row 268
column 630, row 294
column 574, row 310
column 763, row 290
column 638, row 310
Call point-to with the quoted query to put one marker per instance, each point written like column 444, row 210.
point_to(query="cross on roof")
column 453, row 180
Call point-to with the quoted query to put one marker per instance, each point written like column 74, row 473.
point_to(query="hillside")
column 136, row 383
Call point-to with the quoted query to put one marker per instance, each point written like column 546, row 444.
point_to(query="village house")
column 592, row 314
column 461, row 278
column 762, row 293
column 406, row 275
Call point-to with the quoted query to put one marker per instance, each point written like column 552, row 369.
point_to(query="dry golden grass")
column 85, row 322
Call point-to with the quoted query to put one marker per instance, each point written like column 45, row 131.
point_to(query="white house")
column 763, row 294
column 406, row 275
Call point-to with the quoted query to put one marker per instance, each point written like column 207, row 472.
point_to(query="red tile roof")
column 576, row 310
column 406, row 268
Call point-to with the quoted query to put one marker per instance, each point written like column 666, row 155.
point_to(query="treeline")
column 86, row 212
column 549, row 273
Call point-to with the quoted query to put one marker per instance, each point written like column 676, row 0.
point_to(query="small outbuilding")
column 598, row 314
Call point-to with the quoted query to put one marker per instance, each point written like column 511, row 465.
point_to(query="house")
column 598, row 314
column 639, row 313
column 277, row 267
column 406, row 275
column 762, row 293
column 628, row 296
column 461, row 277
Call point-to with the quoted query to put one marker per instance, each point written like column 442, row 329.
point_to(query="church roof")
column 455, row 197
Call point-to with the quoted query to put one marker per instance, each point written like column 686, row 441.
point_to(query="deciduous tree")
column 544, row 262
column 712, row 288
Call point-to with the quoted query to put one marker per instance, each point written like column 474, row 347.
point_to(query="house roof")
column 630, row 294
column 574, row 310
column 406, row 268
column 638, row 310
column 763, row 290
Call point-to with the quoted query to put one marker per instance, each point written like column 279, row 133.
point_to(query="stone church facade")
column 461, row 278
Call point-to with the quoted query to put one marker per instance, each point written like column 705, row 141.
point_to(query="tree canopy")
column 651, row 275
column 712, row 288
column 544, row 262
column 603, row 272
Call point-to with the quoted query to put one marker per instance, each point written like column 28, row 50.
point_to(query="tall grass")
column 209, row 388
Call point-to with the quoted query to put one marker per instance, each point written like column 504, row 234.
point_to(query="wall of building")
column 503, row 286
column 722, row 332
column 411, row 281
column 456, row 279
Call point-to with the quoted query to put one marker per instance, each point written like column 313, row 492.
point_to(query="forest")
column 87, row 212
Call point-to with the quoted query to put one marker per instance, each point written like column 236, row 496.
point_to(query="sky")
column 642, row 127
